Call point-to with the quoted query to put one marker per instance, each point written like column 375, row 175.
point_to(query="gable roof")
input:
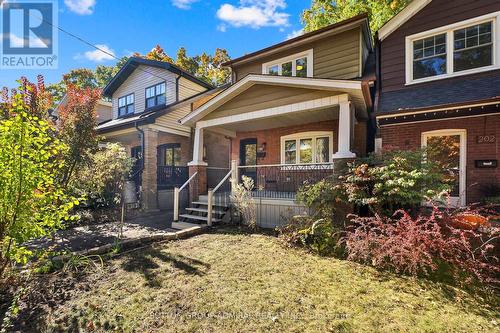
column 361, row 19
column 349, row 86
column 402, row 17
column 134, row 62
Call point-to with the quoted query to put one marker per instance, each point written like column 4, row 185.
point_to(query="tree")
column 77, row 127
column 158, row 54
column 80, row 77
column 32, row 203
column 189, row 64
column 325, row 12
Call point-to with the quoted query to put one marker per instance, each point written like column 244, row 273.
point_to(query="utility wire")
column 109, row 53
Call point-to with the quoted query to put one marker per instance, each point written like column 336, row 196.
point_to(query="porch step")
column 198, row 218
column 215, row 204
column 205, row 210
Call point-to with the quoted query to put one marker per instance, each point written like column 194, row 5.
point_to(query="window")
column 155, row 95
column 429, row 56
column 307, row 148
column 296, row 65
column 473, row 47
column 169, row 154
column 453, row 50
column 125, row 105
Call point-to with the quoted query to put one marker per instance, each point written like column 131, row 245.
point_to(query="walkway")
column 157, row 226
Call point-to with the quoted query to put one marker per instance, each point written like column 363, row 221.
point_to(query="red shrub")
column 419, row 245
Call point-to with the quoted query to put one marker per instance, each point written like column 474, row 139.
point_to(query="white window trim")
column 461, row 199
column 309, row 54
column 307, row 135
column 491, row 17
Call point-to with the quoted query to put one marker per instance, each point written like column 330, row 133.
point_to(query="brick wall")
column 272, row 138
column 409, row 137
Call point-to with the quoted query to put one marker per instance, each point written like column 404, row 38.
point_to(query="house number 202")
column 486, row 139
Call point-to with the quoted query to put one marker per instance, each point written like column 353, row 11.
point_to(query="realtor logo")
column 29, row 34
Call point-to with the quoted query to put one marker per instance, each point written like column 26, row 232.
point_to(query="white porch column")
column 198, row 148
column 345, row 130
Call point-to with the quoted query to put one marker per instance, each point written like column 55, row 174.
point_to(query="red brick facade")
column 272, row 139
column 409, row 136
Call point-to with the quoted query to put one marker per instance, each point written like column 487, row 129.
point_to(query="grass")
column 230, row 282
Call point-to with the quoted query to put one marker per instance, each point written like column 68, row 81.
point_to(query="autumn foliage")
column 424, row 244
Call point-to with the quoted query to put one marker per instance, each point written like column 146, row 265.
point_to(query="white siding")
column 144, row 77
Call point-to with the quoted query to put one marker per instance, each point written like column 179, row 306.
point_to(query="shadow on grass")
column 240, row 229
column 146, row 263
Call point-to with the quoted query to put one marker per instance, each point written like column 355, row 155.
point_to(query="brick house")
column 291, row 111
column 438, row 85
column 148, row 98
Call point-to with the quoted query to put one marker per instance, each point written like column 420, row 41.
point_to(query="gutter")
column 177, row 79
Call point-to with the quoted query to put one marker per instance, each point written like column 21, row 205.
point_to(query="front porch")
column 283, row 134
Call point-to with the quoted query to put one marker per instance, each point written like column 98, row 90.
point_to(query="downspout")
column 142, row 146
column 378, row 88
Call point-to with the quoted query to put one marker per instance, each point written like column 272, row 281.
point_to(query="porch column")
column 345, row 131
column 149, row 175
column 199, row 183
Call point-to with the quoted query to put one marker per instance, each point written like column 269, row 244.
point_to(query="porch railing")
column 177, row 192
column 221, row 198
column 170, row 177
column 282, row 181
column 215, row 175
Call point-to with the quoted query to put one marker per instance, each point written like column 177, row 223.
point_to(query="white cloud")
column 16, row 41
column 295, row 33
column 183, row 4
column 222, row 27
column 81, row 7
column 254, row 13
column 98, row 55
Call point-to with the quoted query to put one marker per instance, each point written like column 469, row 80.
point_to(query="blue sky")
column 127, row 26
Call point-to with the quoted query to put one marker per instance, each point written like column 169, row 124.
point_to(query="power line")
column 109, row 53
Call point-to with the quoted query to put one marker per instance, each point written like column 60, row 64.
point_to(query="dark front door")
column 136, row 174
column 248, row 156
column 170, row 173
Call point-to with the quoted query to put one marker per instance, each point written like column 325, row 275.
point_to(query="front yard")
column 234, row 282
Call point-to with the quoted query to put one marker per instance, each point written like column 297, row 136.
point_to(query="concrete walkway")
column 156, row 226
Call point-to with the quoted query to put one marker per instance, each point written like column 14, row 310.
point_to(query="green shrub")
column 32, row 203
column 101, row 179
column 320, row 236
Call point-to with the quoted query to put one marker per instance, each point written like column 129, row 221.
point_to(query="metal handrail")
column 177, row 192
column 283, row 165
column 211, row 196
column 222, row 181
column 188, row 181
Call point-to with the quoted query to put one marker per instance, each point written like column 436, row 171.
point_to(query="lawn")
column 232, row 282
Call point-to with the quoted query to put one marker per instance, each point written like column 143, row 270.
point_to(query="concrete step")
column 215, row 204
column 205, row 210
column 198, row 218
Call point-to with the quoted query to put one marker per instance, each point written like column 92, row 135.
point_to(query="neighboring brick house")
column 148, row 98
column 291, row 111
column 439, row 86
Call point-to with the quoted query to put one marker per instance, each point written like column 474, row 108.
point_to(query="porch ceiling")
column 284, row 120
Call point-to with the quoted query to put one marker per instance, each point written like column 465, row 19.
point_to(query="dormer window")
column 125, row 105
column 458, row 49
column 155, row 95
column 299, row 65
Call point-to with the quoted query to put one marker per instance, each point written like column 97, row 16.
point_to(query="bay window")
column 307, row 148
column 461, row 48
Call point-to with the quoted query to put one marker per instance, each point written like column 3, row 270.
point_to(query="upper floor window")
column 462, row 48
column 155, row 95
column 300, row 65
column 125, row 105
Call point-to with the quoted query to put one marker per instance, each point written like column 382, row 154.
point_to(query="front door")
column 248, row 156
column 448, row 149
column 136, row 174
